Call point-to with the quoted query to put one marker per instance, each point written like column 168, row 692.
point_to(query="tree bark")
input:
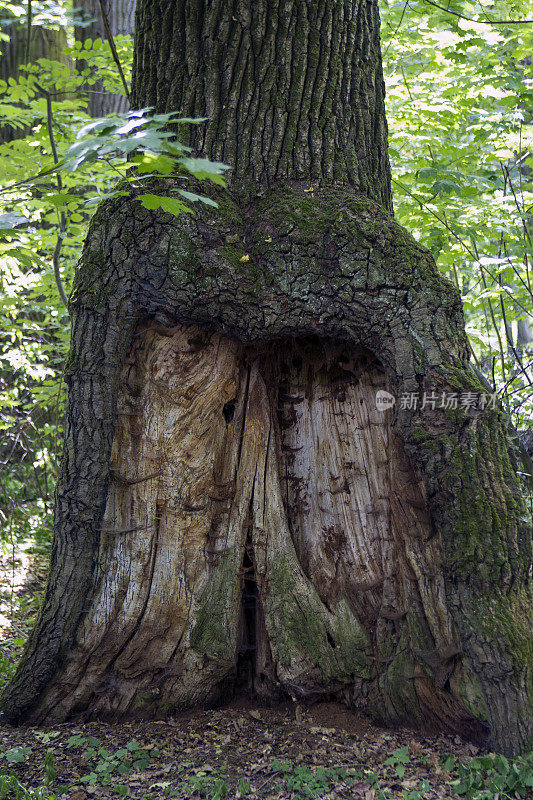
column 235, row 512
column 292, row 90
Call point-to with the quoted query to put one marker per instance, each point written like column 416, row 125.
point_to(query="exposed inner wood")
column 263, row 529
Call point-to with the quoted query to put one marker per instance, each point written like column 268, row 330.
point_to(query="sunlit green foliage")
column 460, row 109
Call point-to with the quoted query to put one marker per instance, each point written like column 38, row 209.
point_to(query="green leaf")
column 202, row 168
column 151, row 163
column 445, row 186
column 9, row 220
column 76, row 741
column 17, row 754
column 427, row 174
column 169, row 204
column 194, row 198
column 150, row 201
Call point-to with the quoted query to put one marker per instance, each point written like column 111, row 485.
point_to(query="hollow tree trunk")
column 121, row 18
column 235, row 511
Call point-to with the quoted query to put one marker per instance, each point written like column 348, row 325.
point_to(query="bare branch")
column 481, row 21
column 111, row 41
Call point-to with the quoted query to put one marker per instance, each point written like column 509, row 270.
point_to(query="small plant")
column 12, row 788
column 491, row 776
column 104, row 763
column 448, row 762
column 209, row 785
column 16, row 755
column 244, row 787
column 304, row 783
column 398, row 759
column 50, row 773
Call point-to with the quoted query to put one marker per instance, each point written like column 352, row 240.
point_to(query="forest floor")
column 242, row 750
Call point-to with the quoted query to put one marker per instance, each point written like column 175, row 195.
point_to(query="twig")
column 511, row 343
column 472, row 253
column 424, row 205
column 469, row 343
column 29, row 20
column 481, row 21
column 111, row 41
column 493, row 318
column 62, row 216
column 395, row 31
column 272, row 775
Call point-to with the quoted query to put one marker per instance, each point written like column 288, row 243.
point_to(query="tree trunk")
column 242, row 505
column 44, row 43
column 121, row 18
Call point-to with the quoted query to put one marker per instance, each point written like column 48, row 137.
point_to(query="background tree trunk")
column 44, row 43
column 234, row 510
column 121, row 17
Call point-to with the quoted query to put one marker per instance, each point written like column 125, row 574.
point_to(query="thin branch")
column 481, row 21
column 62, row 216
column 521, row 211
column 425, row 206
column 497, row 331
column 395, row 31
column 56, row 257
column 469, row 344
column 472, row 253
column 511, row 343
column 111, row 41
column 405, row 82
column 29, row 19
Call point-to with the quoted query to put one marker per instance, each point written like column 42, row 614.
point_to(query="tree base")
column 234, row 508
column 265, row 528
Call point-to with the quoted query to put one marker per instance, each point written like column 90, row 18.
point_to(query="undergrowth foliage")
column 483, row 778
column 56, row 165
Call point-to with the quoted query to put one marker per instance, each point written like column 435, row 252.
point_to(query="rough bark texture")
column 233, row 508
column 121, row 17
column 291, row 89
